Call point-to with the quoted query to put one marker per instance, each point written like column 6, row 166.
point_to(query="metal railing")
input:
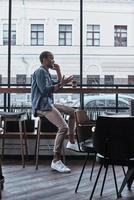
column 84, row 89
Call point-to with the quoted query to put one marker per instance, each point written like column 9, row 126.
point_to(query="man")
column 42, row 104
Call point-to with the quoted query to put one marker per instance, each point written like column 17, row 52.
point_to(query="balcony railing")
column 81, row 90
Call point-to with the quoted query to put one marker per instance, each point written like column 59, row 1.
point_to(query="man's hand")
column 64, row 80
column 56, row 67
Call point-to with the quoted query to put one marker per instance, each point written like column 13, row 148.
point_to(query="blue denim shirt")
column 42, row 90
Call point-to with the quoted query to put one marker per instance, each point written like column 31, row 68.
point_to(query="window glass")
column 93, row 34
column 65, row 34
column 5, row 34
column 37, row 32
column 120, row 35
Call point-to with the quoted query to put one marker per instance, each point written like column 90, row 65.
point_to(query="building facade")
column 54, row 25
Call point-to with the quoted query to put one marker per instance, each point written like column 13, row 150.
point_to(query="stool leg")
column 38, row 143
column 1, row 178
column 21, row 142
column 36, row 140
column 3, row 141
column 2, row 148
column 25, row 139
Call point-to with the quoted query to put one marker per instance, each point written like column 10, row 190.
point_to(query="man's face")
column 50, row 61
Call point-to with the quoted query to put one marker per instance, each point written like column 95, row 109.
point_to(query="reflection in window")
column 54, row 77
column 37, row 34
column 77, row 78
column 131, row 79
column 93, row 79
column 111, row 103
column 5, row 34
column 93, row 35
column 121, row 103
column 120, row 36
column 21, row 79
column 109, row 80
column 65, row 34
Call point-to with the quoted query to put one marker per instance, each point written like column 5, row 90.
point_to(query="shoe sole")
column 60, row 171
column 73, row 149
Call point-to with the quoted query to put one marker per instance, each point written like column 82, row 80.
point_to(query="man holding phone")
column 42, row 104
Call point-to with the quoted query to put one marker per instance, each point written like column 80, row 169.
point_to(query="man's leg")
column 56, row 118
column 71, row 121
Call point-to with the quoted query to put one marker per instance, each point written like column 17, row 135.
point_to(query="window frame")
column 65, row 32
column 37, row 32
column 118, row 39
column 93, row 32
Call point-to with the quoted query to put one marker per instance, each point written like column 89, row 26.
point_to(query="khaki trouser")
column 55, row 116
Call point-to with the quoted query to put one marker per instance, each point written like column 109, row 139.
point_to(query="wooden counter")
column 78, row 90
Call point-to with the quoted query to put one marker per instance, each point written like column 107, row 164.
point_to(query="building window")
column 109, row 79
column 93, row 35
column 93, row 79
column 65, row 35
column 120, row 36
column 130, row 79
column 5, row 34
column 37, row 34
column 20, row 78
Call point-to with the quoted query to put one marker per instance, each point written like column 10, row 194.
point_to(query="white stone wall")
column 103, row 60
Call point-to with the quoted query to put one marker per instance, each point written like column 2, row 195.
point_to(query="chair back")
column 114, row 137
column 83, row 126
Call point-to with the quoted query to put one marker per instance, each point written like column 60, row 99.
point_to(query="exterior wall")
column 102, row 60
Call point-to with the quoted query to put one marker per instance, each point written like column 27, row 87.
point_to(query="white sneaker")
column 72, row 146
column 59, row 166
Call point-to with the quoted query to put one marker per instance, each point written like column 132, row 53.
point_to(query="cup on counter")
column 74, row 83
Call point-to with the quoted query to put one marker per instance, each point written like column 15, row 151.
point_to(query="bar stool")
column 44, row 135
column 19, row 117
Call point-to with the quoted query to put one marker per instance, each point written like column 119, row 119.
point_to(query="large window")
column 37, row 34
column 120, row 36
column 65, row 34
column 93, row 35
column 21, row 79
column 5, row 34
column 82, row 40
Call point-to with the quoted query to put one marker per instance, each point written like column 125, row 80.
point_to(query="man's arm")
column 41, row 81
column 61, row 79
column 58, row 71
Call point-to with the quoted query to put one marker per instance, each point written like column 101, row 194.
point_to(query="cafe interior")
column 102, row 161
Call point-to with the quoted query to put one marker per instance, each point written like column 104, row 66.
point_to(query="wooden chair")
column 84, row 138
column 114, row 143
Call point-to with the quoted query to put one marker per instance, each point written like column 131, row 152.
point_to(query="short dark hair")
column 43, row 55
